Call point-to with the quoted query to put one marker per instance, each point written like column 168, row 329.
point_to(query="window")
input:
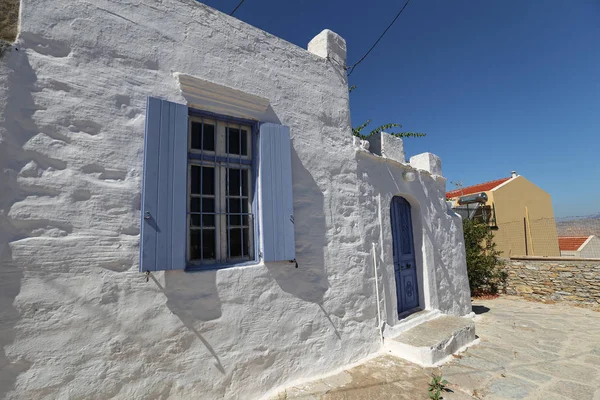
column 220, row 219
column 204, row 180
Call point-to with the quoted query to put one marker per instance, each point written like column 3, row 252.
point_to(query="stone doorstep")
column 432, row 343
column 410, row 322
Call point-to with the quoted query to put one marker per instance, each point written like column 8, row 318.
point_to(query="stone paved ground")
column 527, row 351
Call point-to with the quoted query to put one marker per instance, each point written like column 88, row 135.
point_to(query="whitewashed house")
column 184, row 212
column 579, row 246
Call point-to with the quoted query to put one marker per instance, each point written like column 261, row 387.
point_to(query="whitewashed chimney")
column 329, row 44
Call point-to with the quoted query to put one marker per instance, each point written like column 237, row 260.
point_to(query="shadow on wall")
column 369, row 175
column 193, row 303
column 16, row 128
column 194, row 297
column 453, row 292
column 309, row 281
column 201, row 297
column 10, row 285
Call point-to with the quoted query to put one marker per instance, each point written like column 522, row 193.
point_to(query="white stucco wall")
column 437, row 230
column 567, row 253
column 78, row 320
column 591, row 248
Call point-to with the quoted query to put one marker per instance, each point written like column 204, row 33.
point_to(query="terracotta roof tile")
column 482, row 187
column 572, row 243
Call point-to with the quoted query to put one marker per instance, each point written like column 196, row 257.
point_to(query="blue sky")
column 496, row 85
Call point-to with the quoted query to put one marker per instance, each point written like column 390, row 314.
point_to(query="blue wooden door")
column 404, row 256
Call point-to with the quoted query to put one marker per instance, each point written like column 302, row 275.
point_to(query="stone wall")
column 571, row 280
column 9, row 24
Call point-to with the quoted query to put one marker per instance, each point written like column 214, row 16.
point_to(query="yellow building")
column 519, row 212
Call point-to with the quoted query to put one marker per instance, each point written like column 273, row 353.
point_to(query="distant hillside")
column 578, row 226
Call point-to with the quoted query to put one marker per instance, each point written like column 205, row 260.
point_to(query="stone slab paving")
column 527, row 350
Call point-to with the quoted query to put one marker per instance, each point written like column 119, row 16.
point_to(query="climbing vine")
column 359, row 129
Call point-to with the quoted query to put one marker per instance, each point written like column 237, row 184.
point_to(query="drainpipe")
column 529, row 231
column 379, row 325
column 525, row 231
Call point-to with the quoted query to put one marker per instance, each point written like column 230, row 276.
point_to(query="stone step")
column 409, row 322
column 431, row 343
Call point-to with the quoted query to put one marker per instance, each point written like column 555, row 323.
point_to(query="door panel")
column 405, row 267
column 409, row 289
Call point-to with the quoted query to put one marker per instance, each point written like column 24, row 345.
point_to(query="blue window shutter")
column 275, row 193
column 164, row 191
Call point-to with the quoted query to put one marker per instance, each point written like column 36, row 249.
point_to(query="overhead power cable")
column 353, row 66
column 238, row 6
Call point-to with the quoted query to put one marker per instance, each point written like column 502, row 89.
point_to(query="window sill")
column 200, row 268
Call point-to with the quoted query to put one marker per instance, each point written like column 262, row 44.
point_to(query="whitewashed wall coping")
column 428, row 162
column 329, row 44
column 388, row 146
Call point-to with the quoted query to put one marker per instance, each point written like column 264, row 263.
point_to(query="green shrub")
column 483, row 265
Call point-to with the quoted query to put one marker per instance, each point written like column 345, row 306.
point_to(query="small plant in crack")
column 437, row 386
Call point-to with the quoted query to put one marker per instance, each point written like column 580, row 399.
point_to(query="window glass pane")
column 246, row 243
column 234, row 209
column 245, row 188
column 209, row 244
column 235, row 206
column 194, row 244
column 208, row 220
column 209, row 137
column 244, row 143
column 235, row 242
column 246, row 220
column 204, row 244
column 235, row 220
column 208, row 205
column 195, row 179
column 195, row 204
column 233, row 137
column 196, row 135
column 200, row 138
column 234, row 182
column 195, row 220
column 208, row 180
column 245, row 206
